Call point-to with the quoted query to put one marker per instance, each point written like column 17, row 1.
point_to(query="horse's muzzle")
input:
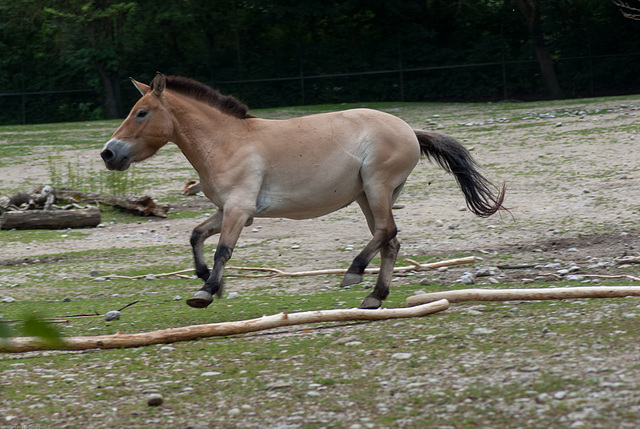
column 116, row 155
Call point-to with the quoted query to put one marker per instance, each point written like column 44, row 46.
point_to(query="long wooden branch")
column 186, row 333
column 464, row 295
column 268, row 272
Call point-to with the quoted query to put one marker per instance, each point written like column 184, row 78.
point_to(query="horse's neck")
column 199, row 130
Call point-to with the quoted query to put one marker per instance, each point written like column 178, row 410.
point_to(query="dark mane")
column 225, row 103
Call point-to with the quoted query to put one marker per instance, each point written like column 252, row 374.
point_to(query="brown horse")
column 298, row 168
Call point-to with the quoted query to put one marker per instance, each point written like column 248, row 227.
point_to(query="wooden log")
column 50, row 219
column 140, row 206
column 464, row 295
column 186, row 333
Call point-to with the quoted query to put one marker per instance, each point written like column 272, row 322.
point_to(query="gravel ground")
column 572, row 177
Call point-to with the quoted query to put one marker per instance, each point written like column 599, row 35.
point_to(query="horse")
column 299, row 168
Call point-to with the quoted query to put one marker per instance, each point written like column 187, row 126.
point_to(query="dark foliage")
column 285, row 52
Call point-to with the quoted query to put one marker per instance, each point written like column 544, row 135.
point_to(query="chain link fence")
column 582, row 76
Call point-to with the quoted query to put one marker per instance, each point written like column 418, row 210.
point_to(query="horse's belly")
column 296, row 204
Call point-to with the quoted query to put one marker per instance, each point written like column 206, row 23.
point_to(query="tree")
column 530, row 10
column 628, row 11
column 100, row 41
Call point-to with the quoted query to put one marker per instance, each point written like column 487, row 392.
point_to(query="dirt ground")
column 570, row 169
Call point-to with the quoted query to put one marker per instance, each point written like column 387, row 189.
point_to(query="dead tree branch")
column 187, row 333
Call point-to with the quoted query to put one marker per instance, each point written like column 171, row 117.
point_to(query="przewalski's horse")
column 298, row 168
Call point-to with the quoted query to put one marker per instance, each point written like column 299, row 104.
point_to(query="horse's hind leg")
column 388, row 255
column 383, row 228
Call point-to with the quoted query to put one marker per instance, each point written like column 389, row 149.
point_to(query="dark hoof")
column 371, row 303
column 351, row 279
column 200, row 299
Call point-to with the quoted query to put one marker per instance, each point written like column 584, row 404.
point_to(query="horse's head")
column 147, row 128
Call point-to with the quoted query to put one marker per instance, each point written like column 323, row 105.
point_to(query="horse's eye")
column 141, row 114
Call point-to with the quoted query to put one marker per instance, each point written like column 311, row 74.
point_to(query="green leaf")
column 36, row 327
column 5, row 330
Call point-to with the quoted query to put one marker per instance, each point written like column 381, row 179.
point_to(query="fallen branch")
column 628, row 260
column 465, row 295
column 140, row 206
column 187, row 333
column 597, row 276
column 274, row 272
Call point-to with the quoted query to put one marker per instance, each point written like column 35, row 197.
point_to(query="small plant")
column 82, row 178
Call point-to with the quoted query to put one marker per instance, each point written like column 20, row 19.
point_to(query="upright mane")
column 225, row 103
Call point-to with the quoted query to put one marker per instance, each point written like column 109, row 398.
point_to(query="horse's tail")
column 479, row 192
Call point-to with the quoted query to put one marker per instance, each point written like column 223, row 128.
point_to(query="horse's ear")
column 140, row 86
column 158, row 84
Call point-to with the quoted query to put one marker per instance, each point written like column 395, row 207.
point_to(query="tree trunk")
column 530, row 11
column 50, row 219
column 112, row 97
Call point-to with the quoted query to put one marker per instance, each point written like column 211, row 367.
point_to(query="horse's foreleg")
column 200, row 233
column 231, row 228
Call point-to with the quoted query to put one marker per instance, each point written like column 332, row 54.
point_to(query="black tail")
column 454, row 158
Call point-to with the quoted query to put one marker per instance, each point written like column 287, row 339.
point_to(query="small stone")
column 154, row 399
column 67, row 299
column 482, row 331
column 543, row 398
column 94, row 273
column 560, row 395
column 177, row 298
column 345, row 340
column 401, row 356
column 8, row 299
column 313, row 393
column 439, row 223
column 210, row 374
column 233, row 295
column 275, row 385
column 112, row 315
column 167, row 348
column 150, row 277
column 234, row 412
column 572, row 249
column 467, row 280
column 484, row 272
column 99, row 279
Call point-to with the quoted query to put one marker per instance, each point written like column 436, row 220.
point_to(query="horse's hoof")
column 370, row 303
column 200, row 299
column 351, row 279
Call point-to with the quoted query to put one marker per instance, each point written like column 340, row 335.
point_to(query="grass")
column 298, row 359
column 330, row 374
